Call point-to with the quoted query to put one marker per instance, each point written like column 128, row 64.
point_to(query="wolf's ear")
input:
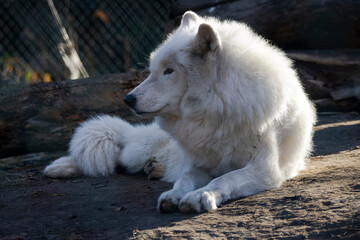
column 189, row 18
column 207, row 39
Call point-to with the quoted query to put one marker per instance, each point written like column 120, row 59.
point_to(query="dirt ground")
column 323, row 202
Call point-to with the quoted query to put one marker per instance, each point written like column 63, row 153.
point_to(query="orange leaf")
column 102, row 16
column 47, row 77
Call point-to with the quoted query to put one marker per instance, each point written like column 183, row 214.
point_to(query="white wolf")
column 236, row 119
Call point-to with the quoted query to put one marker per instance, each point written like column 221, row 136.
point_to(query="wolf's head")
column 180, row 64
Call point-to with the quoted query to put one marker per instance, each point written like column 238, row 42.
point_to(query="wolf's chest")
column 218, row 149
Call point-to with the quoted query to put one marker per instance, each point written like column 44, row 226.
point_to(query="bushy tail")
column 94, row 149
column 97, row 144
column 103, row 142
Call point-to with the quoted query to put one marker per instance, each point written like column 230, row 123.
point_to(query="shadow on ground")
column 327, row 140
column 312, row 205
column 36, row 207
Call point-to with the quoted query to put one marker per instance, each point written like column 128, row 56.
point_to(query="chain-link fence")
column 49, row 40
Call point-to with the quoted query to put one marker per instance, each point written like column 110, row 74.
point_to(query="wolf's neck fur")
column 203, row 137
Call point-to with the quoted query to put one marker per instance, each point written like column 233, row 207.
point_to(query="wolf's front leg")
column 256, row 177
column 169, row 201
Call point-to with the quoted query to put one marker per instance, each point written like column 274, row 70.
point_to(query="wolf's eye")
column 168, row 71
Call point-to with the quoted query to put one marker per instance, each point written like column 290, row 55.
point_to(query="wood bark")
column 296, row 24
column 42, row 117
column 330, row 77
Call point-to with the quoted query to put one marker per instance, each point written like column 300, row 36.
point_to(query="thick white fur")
column 102, row 143
column 233, row 103
column 236, row 107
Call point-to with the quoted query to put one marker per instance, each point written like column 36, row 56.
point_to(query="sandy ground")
column 323, row 202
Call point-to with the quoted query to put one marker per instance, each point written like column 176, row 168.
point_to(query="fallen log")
column 296, row 24
column 330, row 77
column 42, row 117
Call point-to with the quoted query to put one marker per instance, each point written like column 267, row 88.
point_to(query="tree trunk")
column 295, row 24
column 330, row 77
column 42, row 117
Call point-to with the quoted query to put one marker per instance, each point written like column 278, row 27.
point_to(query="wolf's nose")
column 130, row 100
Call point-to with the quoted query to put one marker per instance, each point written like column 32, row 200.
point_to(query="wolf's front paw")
column 199, row 201
column 169, row 201
column 154, row 169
